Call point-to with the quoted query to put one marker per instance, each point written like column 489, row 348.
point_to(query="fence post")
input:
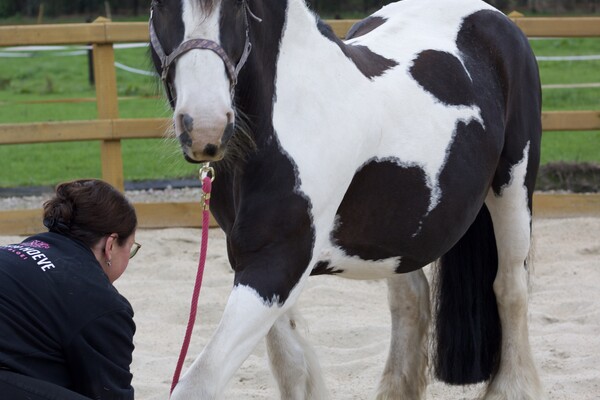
column 108, row 108
column 90, row 57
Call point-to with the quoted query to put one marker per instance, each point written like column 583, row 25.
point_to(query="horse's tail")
column 467, row 327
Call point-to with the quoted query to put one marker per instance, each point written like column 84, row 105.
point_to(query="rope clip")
column 207, row 176
column 206, row 171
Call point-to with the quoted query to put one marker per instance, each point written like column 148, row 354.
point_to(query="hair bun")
column 56, row 225
column 87, row 210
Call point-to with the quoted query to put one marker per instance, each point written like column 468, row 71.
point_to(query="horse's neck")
column 292, row 45
column 290, row 18
column 292, row 61
column 313, row 73
column 298, row 13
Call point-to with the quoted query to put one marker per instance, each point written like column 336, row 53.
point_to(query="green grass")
column 565, row 46
column 569, row 146
column 552, row 72
column 25, row 111
column 47, row 164
column 569, row 72
column 51, row 77
column 24, row 82
column 48, row 78
column 571, row 99
column 575, row 146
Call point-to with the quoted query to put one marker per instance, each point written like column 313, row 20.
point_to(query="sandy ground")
column 348, row 323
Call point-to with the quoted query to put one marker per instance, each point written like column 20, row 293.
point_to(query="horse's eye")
column 157, row 3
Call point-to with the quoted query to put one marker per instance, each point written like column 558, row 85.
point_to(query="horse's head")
column 198, row 47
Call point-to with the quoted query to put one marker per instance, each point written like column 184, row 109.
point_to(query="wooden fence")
column 110, row 129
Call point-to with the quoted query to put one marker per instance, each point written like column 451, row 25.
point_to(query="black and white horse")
column 415, row 139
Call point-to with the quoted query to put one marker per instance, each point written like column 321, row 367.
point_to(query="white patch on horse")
column 390, row 116
column 407, row 20
column 354, row 267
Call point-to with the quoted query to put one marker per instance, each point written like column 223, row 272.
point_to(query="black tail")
column 467, row 323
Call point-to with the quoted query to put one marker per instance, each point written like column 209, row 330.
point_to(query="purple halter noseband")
column 168, row 60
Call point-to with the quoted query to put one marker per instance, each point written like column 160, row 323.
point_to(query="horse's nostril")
column 185, row 139
column 187, row 122
column 211, row 150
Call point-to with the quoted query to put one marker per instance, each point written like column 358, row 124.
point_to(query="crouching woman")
column 65, row 331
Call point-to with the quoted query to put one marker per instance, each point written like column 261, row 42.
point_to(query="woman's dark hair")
column 89, row 209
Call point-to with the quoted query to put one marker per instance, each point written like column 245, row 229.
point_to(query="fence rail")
column 148, row 128
column 107, row 32
column 110, row 129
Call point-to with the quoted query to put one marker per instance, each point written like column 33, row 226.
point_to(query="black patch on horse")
column 462, row 177
column 325, row 268
column 444, row 76
column 370, row 64
column 364, row 26
column 514, row 68
column 379, row 234
column 271, row 239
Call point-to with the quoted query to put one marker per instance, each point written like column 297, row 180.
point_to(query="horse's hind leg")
column 517, row 377
column 293, row 361
column 404, row 376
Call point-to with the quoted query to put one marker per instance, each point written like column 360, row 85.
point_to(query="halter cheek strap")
column 201, row 44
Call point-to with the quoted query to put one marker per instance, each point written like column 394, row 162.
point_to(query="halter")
column 167, row 60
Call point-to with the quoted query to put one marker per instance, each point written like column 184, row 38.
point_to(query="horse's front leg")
column 246, row 320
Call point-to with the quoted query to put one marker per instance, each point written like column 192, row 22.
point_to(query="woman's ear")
column 108, row 246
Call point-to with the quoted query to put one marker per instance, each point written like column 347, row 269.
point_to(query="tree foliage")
column 53, row 8
column 331, row 8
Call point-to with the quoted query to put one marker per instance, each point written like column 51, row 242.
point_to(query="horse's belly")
column 335, row 261
column 388, row 224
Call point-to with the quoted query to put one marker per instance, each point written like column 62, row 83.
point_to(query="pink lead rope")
column 207, row 175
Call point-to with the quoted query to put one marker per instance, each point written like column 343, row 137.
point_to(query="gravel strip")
column 179, row 195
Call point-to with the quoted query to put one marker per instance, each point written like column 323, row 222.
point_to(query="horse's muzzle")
column 202, row 143
column 210, row 152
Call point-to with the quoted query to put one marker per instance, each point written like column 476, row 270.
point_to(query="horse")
column 415, row 140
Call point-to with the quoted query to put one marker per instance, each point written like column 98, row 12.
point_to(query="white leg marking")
column 246, row 320
column 404, row 376
column 293, row 361
column 517, row 376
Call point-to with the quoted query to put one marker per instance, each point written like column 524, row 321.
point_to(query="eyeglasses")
column 134, row 249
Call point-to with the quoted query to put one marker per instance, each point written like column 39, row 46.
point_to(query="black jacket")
column 61, row 320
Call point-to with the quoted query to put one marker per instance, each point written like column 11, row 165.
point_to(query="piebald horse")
column 414, row 139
